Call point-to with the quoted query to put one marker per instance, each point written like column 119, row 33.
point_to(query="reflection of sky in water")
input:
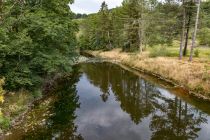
column 100, row 120
column 205, row 134
column 96, row 118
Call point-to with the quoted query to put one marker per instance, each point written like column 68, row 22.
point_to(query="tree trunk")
column 195, row 30
column 110, row 44
column 140, row 36
column 183, row 31
column 187, row 34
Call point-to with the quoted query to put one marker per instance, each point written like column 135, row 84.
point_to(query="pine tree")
column 134, row 10
column 105, row 26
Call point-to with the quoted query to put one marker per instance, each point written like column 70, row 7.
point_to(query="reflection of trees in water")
column 135, row 95
column 99, row 77
column 61, row 124
column 170, row 119
column 176, row 119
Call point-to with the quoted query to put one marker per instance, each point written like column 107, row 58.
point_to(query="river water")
column 103, row 101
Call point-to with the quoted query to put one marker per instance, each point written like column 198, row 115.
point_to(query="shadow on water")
column 102, row 101
column 53, row 118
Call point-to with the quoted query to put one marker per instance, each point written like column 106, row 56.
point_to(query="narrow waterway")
column 103, row 101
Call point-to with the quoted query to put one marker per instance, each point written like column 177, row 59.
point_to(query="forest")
column 139, row 24
column 42, row 40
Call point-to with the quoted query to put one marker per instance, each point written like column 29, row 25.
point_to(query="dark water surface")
column 107, row 102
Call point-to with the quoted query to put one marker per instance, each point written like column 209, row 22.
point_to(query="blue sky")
column 92, row 6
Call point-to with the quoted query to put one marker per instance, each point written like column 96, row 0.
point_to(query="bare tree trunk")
column 187, row 34
column 110, row 44
column 195, row 30
column 140, row 35
column 183, row 31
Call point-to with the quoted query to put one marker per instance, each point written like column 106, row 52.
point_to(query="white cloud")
column 92, row 6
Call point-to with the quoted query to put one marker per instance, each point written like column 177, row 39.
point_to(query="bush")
column 204, row 36
column 4, row 122
column 159, row 51
column 196, row 53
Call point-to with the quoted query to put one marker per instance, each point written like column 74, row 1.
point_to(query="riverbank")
column 193, row 76
column 16, row 105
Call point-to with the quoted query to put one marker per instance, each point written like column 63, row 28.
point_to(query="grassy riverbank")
column 194, row 76
column 14, row 105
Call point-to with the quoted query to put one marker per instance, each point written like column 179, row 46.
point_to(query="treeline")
column 139, row 24
column 37, row 40
column 79, row 16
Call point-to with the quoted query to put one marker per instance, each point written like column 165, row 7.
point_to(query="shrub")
column 159, row 51
column 196, row 53
column 4, row 122
column 204, row 36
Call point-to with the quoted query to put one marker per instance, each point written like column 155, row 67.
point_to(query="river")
column 103, row 101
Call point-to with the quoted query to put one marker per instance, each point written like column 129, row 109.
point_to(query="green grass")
column 4, row 122
column 173, row 51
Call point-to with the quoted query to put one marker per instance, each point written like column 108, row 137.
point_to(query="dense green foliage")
column 130, row 26
column 97, row 38
column 37, row 39
column 139, row 23
column 204, row 36
column 78, row 16
column 204, row 33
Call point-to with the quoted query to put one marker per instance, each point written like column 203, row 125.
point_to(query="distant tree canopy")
column 139, row 23
column 78, row 16
column 37, row 40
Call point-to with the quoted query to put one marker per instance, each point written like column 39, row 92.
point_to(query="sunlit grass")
column 173, row 50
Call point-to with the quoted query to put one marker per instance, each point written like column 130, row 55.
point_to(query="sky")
column 92, row 6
